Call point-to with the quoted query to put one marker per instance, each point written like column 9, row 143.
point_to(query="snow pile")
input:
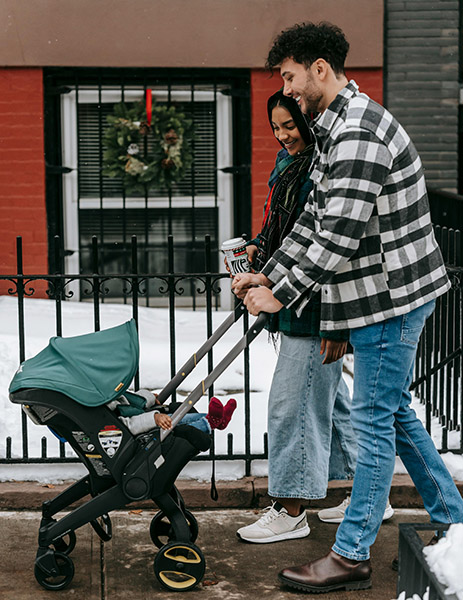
column 445, row 559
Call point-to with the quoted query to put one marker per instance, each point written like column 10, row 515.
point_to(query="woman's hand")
column 251, row 251
column 333, row 350
column 242, row 282
column 163, row 421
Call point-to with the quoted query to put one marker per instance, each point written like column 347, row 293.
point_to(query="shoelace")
column 270, row 515
column 345, row 503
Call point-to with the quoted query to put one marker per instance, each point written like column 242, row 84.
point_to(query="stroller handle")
column 191, row 363
column 202, row 387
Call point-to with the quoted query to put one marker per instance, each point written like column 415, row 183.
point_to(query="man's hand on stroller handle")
column 253, row 288
column 261, row 299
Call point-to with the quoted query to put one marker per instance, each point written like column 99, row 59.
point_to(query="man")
column 366, row 240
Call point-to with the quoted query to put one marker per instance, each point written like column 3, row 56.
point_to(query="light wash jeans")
column 197, row 420
column 310, row 436
column 384, row 355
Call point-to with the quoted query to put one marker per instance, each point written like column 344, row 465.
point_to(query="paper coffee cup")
column 237, row 257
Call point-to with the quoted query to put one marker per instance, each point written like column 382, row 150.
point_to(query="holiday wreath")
column 147, row 151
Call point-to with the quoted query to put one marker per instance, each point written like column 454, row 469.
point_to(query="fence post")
column 96, row 284
column 171, row 279
column 58, row 285
column 22, row 343
column 135, row 282
column 208, row 280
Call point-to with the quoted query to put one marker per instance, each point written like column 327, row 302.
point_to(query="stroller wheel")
column 65, row 544
column 161, row 531
column 59, row 580
column 179, row 566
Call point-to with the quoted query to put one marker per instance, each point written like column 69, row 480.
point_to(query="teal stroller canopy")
column 92, row 369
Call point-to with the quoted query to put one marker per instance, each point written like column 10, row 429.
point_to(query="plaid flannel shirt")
column 365, row 237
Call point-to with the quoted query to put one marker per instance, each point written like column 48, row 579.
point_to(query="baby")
column 217, row 417
column 141, row 412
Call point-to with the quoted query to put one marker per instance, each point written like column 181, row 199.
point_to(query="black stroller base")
column 121, row 468
column 141, row 468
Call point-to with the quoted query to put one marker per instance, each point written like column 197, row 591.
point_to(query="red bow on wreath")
column 149, row 106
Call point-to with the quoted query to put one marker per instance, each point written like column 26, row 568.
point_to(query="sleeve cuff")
column 287, row 295
column 340, row 335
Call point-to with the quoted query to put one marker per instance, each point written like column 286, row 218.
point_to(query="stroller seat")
column 67, row 388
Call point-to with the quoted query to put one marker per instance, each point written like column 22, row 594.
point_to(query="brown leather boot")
column 331, row 572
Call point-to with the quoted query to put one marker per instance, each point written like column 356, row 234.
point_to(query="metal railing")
column 439, row 363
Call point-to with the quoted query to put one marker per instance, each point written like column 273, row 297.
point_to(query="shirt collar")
column 323, row 123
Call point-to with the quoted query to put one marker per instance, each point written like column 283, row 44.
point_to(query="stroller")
column 67, row 387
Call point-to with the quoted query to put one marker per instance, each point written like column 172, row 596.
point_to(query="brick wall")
column 22, row 171
column 422, row 81
column 264, row 145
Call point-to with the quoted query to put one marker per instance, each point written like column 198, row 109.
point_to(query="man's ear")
column 320, row 68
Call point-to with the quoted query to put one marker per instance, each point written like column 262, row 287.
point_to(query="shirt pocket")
column 319, row 175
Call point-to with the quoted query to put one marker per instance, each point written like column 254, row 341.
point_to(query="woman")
column 310, row 436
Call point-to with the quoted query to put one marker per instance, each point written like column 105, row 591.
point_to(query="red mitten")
column 228, row 411
column 215, row 413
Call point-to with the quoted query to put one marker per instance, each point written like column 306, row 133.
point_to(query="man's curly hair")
column 305, row 42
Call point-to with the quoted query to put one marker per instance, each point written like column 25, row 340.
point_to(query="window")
column 202, row 203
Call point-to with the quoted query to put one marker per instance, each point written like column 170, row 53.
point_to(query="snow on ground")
column 191, row 332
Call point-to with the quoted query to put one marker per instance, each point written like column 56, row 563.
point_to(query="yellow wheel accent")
column 181, row 558
column 173, row 579
column 179, row 566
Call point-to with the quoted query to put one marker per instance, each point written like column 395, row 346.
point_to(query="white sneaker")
column 336, row 514
column 275, row 525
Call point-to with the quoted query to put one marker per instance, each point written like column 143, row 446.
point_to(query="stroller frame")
column 138, row 470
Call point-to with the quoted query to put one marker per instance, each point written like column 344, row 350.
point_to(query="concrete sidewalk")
column 123, row 567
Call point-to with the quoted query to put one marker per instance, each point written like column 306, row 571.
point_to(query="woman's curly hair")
column 305, row 42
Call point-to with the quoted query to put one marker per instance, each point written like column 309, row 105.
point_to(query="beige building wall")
column 174, row 33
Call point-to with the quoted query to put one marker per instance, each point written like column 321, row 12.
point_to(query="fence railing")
column 439, row 364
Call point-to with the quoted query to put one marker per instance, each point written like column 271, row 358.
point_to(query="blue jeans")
column 197, row 420
column 384, row 356
column 310, row 435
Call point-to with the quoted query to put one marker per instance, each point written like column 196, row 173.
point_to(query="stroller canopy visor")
column 92, row 369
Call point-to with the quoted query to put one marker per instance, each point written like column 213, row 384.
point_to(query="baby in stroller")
column 141, row 411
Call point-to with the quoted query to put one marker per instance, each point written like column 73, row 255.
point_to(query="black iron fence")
column 439, row 363
column 439, row 360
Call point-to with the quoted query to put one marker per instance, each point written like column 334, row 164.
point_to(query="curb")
column 246, row 493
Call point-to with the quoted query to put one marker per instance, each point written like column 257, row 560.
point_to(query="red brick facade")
column 264, row 146
column 22, row 168
column 22, row 171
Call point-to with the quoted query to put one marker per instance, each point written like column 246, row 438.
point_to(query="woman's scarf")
column 283, row 203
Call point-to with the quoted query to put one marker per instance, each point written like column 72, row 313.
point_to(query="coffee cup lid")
column 233, row 243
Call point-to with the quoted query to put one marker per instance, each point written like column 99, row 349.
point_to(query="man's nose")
column 287, row 91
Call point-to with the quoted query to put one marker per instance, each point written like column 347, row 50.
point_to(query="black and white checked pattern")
column 365, row 237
